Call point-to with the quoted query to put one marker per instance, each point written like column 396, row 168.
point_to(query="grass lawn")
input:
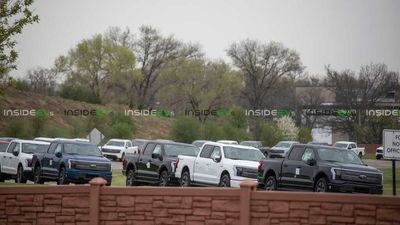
column 369, row 156
column 118, row 179
column 387, row 181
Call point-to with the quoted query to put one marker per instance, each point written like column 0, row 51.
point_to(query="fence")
column 96, row 204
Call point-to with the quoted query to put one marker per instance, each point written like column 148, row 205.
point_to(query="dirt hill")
column 146, row 126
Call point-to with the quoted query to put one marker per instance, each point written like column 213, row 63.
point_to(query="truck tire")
column 185, row 179
column 20, row 175
column 62, row 177
column 321, row 185
column 164, row 178
column 37, row 172
column 2, row 177
column 270, row 183
column 225, row 181
column 130, row 178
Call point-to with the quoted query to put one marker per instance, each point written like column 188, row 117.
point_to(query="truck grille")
column 110, row 150
column 249, row 173
column 93, row 166
column 362, row 177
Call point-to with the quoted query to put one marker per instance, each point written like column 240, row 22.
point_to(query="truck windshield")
column 340, row 145
column 34, row 148
column 116, row 143
column 337, row 155
column 175, row 150
column 82, row 149
column 3, row 147
column 283, row 145
column 251, row 144
column 242, row 154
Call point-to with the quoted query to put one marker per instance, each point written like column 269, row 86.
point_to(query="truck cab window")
column 52, row 148
column 216, row 152
column 157, row 150
column 11, row 147
column 206, row 152
column 149, row 149
column 308, row 154
column 296, row 153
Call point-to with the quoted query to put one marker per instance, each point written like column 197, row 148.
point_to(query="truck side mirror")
column 311, row 162
column 156, row 156
column 349, row 148
column 217, row 158
column 15, row 152
column 58, row 154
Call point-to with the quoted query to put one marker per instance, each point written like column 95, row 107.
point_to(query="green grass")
column 117, row 178
column 369, row 156
column 387, row 181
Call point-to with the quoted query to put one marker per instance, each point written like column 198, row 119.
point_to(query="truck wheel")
column 360, row 155
column 225, row 181
column 321, row 185
column 20, row 175
column 62, row 177
column 270, row 183
column 37, row 176
column 185, row 179
column 164, row 178
column 130, row 178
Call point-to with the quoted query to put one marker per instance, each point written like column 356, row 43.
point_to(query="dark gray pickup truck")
column 320, row 169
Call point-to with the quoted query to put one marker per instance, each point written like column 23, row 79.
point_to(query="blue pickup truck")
column 70, row 162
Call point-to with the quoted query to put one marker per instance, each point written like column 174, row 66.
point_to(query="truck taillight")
column 260, row 166
column 176, row 163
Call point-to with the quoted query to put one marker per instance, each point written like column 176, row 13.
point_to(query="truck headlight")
column 239, row 171
column 336, row 173
column 71, row 163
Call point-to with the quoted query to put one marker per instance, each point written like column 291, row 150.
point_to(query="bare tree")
column 154, row 52
column 262, row 65
column 42, row 80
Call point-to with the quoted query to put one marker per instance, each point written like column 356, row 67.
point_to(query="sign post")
column 95, row 136
column 391, row 150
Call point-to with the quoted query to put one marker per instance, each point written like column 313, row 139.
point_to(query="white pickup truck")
column 16, row 161
column 117, row 148
column 350, row 146
column 219, row 164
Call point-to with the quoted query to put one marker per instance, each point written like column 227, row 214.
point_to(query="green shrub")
column 77, row 93
column 211, row 131
column 185, row 129
column 238, row 118
column 38, row 125
column 304, row 135
column 121, row 130
column 270, row 134
column 17, row 129
column 234, row 133
column 22, row 85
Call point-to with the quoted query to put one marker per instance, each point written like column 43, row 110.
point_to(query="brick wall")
column 41, row 208
column 97, row 204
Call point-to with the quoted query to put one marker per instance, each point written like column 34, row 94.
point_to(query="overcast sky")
column 343, row 33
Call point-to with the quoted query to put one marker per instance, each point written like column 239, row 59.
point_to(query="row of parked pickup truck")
column 60, row 160
column 304, row 167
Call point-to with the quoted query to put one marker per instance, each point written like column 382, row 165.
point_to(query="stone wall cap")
column 97, row 181
column 248, row 183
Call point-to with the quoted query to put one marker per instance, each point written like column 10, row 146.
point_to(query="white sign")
column 391, row 144
column 95, row 136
